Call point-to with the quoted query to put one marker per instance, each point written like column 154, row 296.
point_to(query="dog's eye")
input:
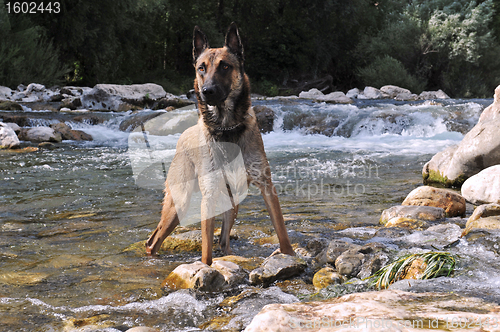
column 201, row 68
column 224, row 66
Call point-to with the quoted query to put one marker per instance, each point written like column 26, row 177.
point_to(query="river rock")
column 327, row 276
column 483, row 211
column 479, row 149
column 406, row 223
column 40, row 134
column 484, row 187
column 14, row 127
column 137, row 120
column 276, row 267
column 387, row 310
column 69, row 134
column 353, row 93
column 439, row 94
column 398, row 93
column 236, row 312
column 349, row 263
column 196, row 275
column 232, row 273
column 8, row 137
column 335, row 248
column 265, row 118
column 142, row 329
column 492, row 222
column 371, row 93
column 425, row 213
column 452, row 203
column 5, row 93
column 7, row 105
column 333, row 97
column 122, row 97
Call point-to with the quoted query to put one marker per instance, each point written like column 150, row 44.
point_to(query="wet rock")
column 353, row 93
column 233, row 274
column 122, row 97
column 47, row 146
column 238, row 311
column 14, row 127
column 171, row 102
column 482, row 223
column 349, row 263
column 483, row 211
column 142, row 329
column 372, row 263
column 398, row 93
column 248, row 264
column 20, row 120
column 439, row 94
column 335, row 248
column 276, row 267
column 371, row 93
column 197, row 275
column 315, row 245
column 69, row 134
column 265, row 118
column 415, row 270
column 439, row 235
column 137, row 120
column 40, row 134
column 391, row 233
column 327, row 276
column 5, row 93
column 333, row 97
column 484, row 187
column 190, row 240
column 389, row 310
column 407, row 223
column 8, row 137
column 452, row 203
column 424, row 213
column 22, row 278
column 90, row 119
column 479, row 149
column 72, row 103
column 6, row 105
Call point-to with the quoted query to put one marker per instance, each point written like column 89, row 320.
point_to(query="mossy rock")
column 7, row 105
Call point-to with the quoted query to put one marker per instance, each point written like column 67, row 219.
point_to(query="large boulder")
column 265, row 118
column 69, row 134
column 398, row 93
column 479, row 149
column 484, row 187
column 371, row 93
column 40, row 134
column 6, row 105
column 388, row 310
column 452, row 203
column 439, row 94
column 424, row 213
column 8, row 137
column 115, row 97
column 5, row 92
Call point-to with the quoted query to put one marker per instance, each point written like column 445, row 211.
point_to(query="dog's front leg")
column 273, row 207
column 207, row 228
column 228, row 218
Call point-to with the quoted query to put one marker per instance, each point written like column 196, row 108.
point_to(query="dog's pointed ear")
column 200, row 43
column 233, row 41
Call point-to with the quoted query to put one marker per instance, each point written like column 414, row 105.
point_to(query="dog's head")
column 219, row 71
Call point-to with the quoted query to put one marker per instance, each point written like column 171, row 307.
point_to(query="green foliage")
column 387, row 70
column 26, row 56
column 431, row 44
column 437, row 264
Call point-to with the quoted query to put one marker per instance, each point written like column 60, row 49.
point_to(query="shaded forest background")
column 415, row 44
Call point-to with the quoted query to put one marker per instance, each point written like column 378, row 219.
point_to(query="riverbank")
column 70, row 216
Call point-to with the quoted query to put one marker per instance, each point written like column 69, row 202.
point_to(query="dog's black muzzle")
column 213, row 94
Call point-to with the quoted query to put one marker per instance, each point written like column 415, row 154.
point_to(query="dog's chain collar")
column 232, row 127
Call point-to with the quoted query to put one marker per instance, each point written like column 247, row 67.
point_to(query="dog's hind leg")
column 207, row 231
column 228, row 219
column 273, row 207
column 169, row 220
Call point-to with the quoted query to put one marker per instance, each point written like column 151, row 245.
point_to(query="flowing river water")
column 70, row 216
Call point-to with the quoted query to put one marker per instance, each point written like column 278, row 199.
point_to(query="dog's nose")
column 208, row 90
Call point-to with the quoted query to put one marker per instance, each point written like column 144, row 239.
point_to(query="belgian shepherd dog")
column 225, row 116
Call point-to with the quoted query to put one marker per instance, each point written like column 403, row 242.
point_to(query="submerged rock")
column 479, row 149
column 389, row 310
column 484, row 187
column 452, row 203
column 276, row 267
column 412, row 212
